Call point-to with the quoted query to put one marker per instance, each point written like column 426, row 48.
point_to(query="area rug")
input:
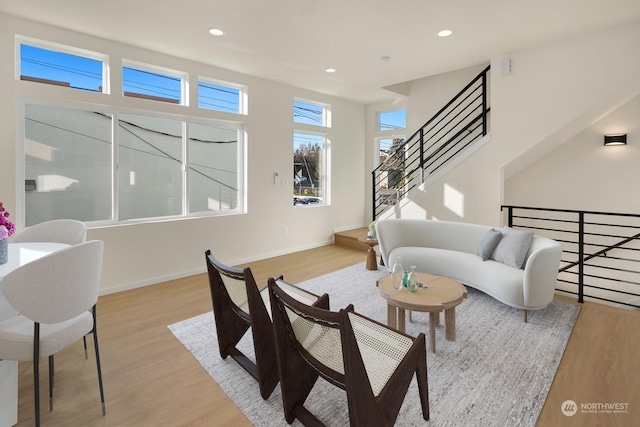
column 497, row 373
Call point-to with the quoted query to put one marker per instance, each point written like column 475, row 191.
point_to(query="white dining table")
column 19, row 255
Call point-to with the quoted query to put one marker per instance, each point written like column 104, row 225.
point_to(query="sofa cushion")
column 513, row 247
column 488, row 244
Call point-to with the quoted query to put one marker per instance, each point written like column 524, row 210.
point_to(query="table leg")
column 401, row 320
column 450, row 324
column 433, row 318
column 372, row 263
column 392, row 316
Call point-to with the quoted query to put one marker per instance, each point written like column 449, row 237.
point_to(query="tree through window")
column 308, row 169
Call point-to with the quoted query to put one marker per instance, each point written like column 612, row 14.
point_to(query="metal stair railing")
column 454, row 128
column 600, row 251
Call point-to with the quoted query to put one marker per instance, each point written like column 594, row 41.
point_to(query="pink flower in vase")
column 7, row 228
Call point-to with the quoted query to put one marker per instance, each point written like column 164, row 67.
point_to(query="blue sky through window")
column 151, row 83
column 389, row 120
column 79, row 72
column 216, row 97
column 308, row 113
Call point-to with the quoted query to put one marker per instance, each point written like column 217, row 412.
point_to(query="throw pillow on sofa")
column 513, row 247
column 488, row 244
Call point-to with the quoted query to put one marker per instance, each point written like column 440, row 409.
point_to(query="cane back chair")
column 238, row 304
column 373, row 363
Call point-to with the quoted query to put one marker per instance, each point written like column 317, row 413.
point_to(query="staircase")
column 449, row 136
column 452, row 133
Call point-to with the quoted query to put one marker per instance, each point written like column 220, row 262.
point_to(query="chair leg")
column 84, row 340
column 423, row 384
column 36, row 371
column 97, row 350
column 51, row 383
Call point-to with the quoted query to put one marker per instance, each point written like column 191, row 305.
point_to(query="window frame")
column 114, row 112
column 156, row 69
column 325, row 167
column 62, row 48
column 386, row 134
column 326, row 112
column 378, row 123
column 243, row 95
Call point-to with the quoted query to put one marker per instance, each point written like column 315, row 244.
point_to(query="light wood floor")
column 151, row 380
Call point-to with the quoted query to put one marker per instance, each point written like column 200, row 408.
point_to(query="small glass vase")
column 413, row 279
column 397, row 273
column 4, row 251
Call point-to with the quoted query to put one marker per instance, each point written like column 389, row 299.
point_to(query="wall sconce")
column 620, row 139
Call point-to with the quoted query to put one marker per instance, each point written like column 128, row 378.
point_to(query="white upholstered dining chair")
column 55, row 297
column 67, row 231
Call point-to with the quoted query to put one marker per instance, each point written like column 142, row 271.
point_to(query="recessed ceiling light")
column 330, row 70
column 216, row 32
column 445, row 33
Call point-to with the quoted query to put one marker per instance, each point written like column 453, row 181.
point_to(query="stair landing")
column 350, row 238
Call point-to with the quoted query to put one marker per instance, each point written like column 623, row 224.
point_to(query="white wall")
column 583, row 174
column 147, row 253
column 553, row 93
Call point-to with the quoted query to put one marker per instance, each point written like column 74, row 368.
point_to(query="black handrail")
column 459, row 123
column 590, row 241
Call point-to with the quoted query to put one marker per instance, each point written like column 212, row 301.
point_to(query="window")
column 220, row 96
column 213, row 167
column 392, row 120
column 309, row 171
column 390, row 151
column 166, row 167
column 384, row 144
column 311, row 113
column 389, row 123
column 67, row 155
column 310, row 153
column 149, row 167
column 154, row 83
column 62, row 66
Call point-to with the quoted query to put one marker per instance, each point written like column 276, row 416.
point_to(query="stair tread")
column 356, row 233
column 352, row 238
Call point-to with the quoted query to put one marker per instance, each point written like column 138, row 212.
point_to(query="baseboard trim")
column 183, row 274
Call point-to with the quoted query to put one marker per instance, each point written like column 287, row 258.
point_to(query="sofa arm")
column 541, row 273
column 396, row 233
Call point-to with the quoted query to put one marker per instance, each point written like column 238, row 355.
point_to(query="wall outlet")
column 285, row 230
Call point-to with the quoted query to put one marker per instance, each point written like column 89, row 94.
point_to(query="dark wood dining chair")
column 238, row 304
column 372, row 362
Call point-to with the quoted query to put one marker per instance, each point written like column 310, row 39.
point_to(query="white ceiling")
column 294, row 41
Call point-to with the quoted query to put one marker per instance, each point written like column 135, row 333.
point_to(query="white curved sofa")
column 450, row 249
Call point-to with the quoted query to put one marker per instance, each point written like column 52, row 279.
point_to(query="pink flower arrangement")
column 7, row 228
